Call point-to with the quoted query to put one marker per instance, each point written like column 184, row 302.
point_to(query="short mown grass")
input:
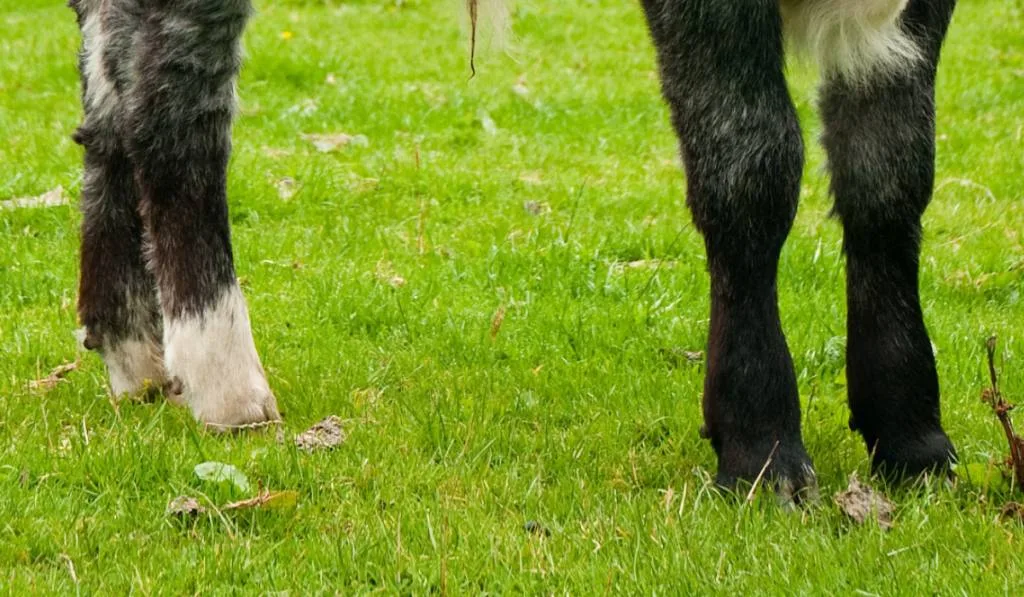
column 547, row 189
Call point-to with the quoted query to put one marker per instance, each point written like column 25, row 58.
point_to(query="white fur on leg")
column 135, row 366
column 856, row 39
column 100, row 95
column 214, row 358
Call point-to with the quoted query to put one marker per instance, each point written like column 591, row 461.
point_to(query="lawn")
column 496, row 286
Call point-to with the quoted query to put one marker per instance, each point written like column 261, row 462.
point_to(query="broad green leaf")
column 218, row 472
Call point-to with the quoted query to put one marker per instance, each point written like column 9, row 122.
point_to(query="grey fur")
column 159, row 96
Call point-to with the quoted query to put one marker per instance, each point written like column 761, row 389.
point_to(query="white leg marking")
column 100, row 96
column 214, row 358
column 135, row 366
column 856, row 39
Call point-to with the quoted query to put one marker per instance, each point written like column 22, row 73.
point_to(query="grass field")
column 496, row 291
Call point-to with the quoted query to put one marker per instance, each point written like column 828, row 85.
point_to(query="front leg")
column 722, row 76
column 117, row 302
column 751, row 403
column 181, row 104
column 880, row 139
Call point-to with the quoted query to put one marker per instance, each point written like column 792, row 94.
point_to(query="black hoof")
column 905, row 458
column 785, row 468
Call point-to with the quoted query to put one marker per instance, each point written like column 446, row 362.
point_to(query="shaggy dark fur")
column 158, row 93
column 158, row 80
column 116, row 295
column 881, row 151
column 173, row 64
column 722, row 76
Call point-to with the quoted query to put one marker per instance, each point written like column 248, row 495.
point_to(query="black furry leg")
column 721, row 67
column 881, row 148
column 181, row 102
column 116, row 295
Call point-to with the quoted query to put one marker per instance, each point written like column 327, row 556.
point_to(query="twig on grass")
column 71, row 567
column 1002, row 408
column 760, row 475
column 225, row 428
column 55, row 377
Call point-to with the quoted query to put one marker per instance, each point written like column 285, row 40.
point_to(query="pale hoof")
column 214, row 365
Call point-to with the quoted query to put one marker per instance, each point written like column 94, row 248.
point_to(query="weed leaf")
column 218, row 472
column 986, row 476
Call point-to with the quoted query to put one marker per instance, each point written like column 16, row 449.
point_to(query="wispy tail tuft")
column 490, row 16
column 856, row 40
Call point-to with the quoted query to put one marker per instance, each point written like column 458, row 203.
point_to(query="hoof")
column 906, row 458
column 213, row 361
column 785, row 468
column 136, row 367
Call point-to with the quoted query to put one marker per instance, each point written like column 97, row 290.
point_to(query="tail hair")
column 489, row 15
column 856, row 40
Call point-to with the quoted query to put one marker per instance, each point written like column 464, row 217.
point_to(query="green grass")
column 578, row 414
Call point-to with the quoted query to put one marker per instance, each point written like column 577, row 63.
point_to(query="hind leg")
column 181, row 102
column 117, row 295
column 880, row 138
column 721, row 69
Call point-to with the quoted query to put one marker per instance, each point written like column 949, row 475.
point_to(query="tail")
column 856, row 40
column 493, row 15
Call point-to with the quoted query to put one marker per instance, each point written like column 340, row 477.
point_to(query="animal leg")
column 880, row 139
column 116, row 295
column 722, row 76
column 181, row 103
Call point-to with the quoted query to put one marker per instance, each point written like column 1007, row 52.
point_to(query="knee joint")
column 746, row 183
